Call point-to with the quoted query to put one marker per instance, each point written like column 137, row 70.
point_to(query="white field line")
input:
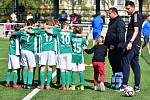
column 3, row 58
column 36, row 90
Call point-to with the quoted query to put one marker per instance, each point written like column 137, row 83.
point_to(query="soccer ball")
column 129, row 91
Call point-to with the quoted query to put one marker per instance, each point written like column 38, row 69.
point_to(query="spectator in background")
column 146, row 33
column 7, row 27
column 97, row 25
column 13, row 17
column 74, row 19
column 29, row 16
column 63, row 17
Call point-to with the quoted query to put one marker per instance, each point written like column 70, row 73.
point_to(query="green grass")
column 88, row 93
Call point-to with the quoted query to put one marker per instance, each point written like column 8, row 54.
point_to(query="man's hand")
column 129, row 46
column 112, row 47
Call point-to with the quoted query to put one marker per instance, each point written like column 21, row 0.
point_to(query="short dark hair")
column 114, row 10
column 131, row 3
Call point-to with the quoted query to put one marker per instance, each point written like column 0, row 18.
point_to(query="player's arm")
column 47, row 30
column 89, row 51
column 28, row 29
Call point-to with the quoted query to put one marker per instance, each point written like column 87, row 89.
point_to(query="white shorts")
column 78, row 67
column 58, row 61
column 65, row 61
column 28, row 58
column 13, row 62
column 37, row 58
column 48, row 57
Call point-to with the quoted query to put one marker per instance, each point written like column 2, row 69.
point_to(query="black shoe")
column 121, row 88
column 24, row 86
column 136, row 88
column 30, row 87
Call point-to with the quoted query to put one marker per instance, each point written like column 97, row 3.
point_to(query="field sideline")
column 88, row 93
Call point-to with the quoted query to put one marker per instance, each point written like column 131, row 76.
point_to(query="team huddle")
column 46, row 45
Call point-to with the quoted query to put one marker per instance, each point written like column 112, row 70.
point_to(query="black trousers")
column 131, row 57
column 115, row 59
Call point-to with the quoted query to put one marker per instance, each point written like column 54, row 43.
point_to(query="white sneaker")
column 95, row 88
column 102, row 86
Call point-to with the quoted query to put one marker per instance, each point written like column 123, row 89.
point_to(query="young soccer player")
column 14, row 60
column 65, row 57
column 47, row 55
column 100, row 51
column 77, row 58
column 27, row 53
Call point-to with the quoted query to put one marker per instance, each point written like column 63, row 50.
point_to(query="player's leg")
column 8, row 73
column 63, row 71
column 31, row 63
column 68, row 69
column 43, row 61
column 51, row 62
column 74, row 71
column 16, row 65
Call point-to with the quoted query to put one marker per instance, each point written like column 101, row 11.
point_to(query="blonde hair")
column 98, row 41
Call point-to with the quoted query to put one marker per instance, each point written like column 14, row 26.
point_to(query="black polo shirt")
column 135, row 21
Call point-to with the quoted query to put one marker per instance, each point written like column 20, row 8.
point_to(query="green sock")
column 67, row 78
column 73, row 78
column 81, row 78
column 8, row 76
column 15, row 77
column 25, row 77
column 63, row 79
column 30, row 78
column 49, row 77
column 42, row 77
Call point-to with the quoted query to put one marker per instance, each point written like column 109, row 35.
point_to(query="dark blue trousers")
column 131, row 57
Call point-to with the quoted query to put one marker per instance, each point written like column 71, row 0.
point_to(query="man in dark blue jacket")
column 115, row 40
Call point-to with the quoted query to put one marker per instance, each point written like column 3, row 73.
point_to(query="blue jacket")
column 146, row 28
column 97, row 25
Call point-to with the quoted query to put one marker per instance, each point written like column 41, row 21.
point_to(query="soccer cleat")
column 102, row 86
column 16, row 86
column 81, row 88
column 24, row 86
column 136, row 88
column 48, row 88
column 41, row 87
column 7, row 85
column 62, row 88
column 30, row 87
column 73, row 87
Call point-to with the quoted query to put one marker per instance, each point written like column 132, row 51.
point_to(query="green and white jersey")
column 27, row 40
column 14, row 47
column 47, row 40
column 64, row 41
column 77, row 54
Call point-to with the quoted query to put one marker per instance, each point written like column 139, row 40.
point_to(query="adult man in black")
column 115, row 40
column 133, row 42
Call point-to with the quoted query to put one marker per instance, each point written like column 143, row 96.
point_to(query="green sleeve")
column 21, row 32
column 84, row 41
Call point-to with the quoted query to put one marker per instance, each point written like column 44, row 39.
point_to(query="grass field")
column 88, row 93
